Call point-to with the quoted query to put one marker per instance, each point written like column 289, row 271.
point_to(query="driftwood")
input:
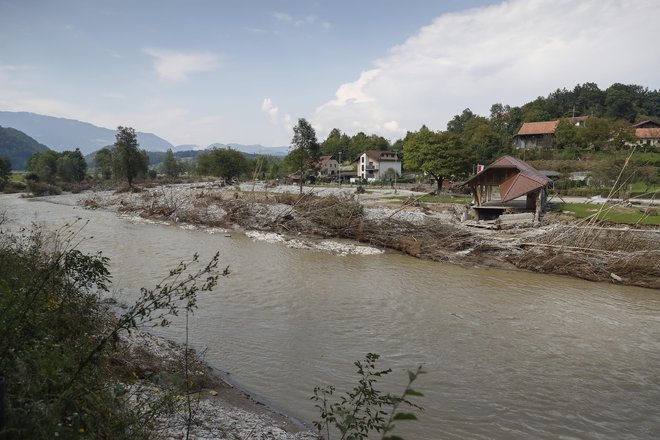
column 585, row 249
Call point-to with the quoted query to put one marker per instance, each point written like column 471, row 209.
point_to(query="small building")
column 648, row 133
column 496, row 188
column 346, row 173
column 327, row 166
column 541, row 134
column 373, row 165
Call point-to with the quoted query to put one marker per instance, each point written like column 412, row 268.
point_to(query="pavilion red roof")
column 517, row 179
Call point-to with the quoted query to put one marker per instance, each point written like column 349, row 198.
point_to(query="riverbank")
column 562, row 245
column 219, row 409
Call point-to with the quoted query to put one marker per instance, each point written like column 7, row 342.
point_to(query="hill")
column 18, row 147
column 68, row 134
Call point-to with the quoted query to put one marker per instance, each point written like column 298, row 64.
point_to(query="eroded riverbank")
column 562, row 246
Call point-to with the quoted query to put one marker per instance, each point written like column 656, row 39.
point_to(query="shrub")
column 364, row 410
column 37, row 188
column 56, row 339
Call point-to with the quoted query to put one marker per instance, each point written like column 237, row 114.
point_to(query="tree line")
column 468, row 139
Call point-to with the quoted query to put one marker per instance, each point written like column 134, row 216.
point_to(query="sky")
column 244, row 71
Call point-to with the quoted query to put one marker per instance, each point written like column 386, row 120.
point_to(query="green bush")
column 364, row 410
column 37, row 188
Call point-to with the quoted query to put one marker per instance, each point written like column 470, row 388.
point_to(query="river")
column 508, row 354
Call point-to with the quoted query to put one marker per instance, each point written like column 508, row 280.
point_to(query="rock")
column 213, row 392
column 616, row 277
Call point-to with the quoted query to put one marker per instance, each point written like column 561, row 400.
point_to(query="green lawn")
column 615, row 214
column 17, row 176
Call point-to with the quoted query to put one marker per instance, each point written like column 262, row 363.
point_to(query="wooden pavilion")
column 496, row 188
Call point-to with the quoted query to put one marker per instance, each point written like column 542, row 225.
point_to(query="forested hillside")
column 629, row 102
column 18, row 147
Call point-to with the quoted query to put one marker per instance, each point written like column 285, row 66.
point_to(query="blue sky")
column 204, row 71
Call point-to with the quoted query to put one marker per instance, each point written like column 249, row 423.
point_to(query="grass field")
column 611, row 213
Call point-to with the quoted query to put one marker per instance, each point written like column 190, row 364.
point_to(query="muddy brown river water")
column 509, row 355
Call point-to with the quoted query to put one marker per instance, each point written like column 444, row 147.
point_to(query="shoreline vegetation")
column 384, row 219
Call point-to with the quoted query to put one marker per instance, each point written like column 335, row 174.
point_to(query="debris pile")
column 583, row 250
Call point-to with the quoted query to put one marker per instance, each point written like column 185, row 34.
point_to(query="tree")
column 225, row 163
column 305, row 146
column 589, row 99
column 336, row 143
column 44, row 165
column 103, row 162
column 71, row 166
column 537, row 110
column 596, row 133
column 359, row 144
column 128, row 160
column 567, row 136
column 457, row 124
column 170, row 164
column 442, row 154
column 5, row 171
column 482, row 139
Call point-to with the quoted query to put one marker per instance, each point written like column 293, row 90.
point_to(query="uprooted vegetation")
column 585, row 249
column 593, row 252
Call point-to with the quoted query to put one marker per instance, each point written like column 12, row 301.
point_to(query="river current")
column 508, row 354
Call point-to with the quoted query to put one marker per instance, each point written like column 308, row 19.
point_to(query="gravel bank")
column 220, row 411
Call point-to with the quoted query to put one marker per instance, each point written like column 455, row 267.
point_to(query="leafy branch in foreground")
column 59, row 345
column 365, row 409
column 154, row 306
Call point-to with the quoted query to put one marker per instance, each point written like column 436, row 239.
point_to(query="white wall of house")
column 370, row 168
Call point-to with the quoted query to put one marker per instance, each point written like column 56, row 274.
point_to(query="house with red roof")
column 648, row 133
column 541, row 134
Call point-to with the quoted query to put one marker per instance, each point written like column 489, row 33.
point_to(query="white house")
column 373, row 165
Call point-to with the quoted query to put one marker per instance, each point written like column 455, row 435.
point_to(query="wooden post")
column 537, row 212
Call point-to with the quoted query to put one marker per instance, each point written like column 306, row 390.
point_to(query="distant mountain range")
column 254, row 149
column 61, row 134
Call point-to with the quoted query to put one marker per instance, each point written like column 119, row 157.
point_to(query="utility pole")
column 396, row 156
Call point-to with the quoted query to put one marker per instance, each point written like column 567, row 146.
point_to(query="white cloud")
column 300, row 21
column 175, row 66
column 392, row 126
column 268, row 107
column 509, row 53
column 281, row 16
column 283, row 124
